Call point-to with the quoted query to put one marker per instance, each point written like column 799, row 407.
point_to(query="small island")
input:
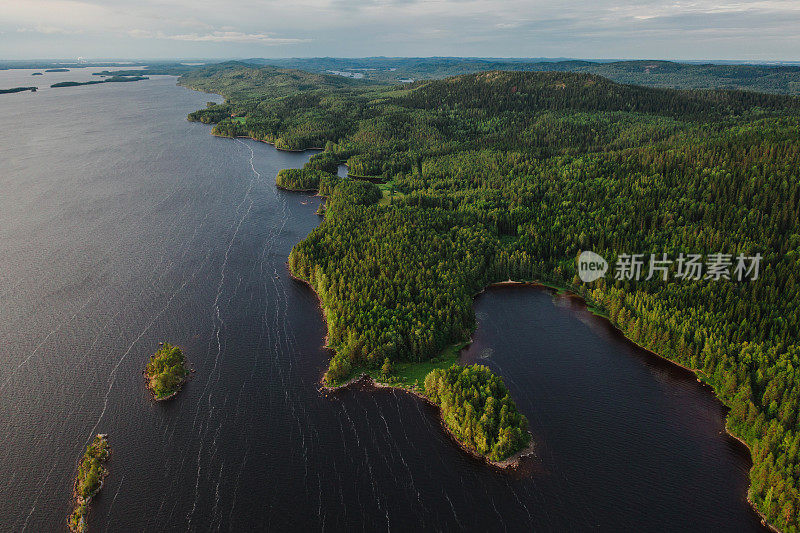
column 37, row 74
column 166, row 372
column 57, row 70
column 89, row 481
column 18, row 90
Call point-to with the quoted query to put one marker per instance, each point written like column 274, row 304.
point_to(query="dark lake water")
column 122, row 225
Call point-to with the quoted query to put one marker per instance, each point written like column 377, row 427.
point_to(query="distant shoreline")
column 113, row 79
column 18, row 90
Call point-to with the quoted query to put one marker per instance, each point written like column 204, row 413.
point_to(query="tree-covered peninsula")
column 478, row 411
column 166, row 372
column 91, row 473
column 509, row 175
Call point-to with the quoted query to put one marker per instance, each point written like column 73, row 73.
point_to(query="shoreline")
column 305, row 191
column 324, row 317
column 511, row 462
column 225, row 99
column 15, row 90
column 514, row 460
column 271, row 143
column 764, row 521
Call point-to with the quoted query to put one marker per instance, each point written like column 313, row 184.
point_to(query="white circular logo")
column 591, row 267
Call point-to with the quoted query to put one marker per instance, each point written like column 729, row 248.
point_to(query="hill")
column 235, row 79
column 779, row 79
column 503, row 91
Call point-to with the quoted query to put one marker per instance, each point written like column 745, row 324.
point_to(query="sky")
column 760, row 30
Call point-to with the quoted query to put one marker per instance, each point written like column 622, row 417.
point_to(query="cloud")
column 507, row 25
column 234, row 37
column 217, row 37
column 241, row 28
column 195, row 24
column 49, row 30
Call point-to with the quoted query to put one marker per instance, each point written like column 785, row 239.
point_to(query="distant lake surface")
column 24, row 77
column 123, row 225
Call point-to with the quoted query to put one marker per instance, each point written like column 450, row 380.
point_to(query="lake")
column 122, row 225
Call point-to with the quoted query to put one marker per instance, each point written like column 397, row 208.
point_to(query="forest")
column 509, row 175
column 300, row 179
column 478, row 411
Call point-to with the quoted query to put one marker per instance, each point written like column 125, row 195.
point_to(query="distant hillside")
column 780, row 79
column 300, row 110
column 233, row 79
column 765, row 78
column 498, row 91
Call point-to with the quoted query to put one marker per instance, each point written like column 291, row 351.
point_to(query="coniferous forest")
column 510, row 175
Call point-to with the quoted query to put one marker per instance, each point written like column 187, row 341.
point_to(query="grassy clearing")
column 387, row 190
column 596, row 311
column 412, row 375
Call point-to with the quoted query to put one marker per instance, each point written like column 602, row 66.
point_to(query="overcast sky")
column 652, row 29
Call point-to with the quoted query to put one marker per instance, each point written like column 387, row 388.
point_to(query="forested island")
column 509, row 175
column 91, row 473
column 166, row 372
column 18, row 90
column 57, row 70
column 113, row 79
